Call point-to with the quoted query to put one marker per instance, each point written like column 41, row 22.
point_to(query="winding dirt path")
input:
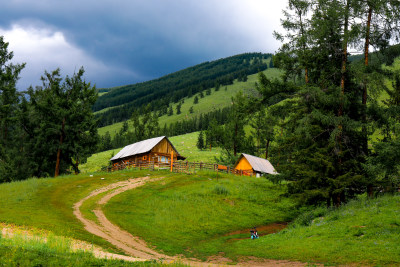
column 134, row 246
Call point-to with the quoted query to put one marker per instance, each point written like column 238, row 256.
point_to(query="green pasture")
column 217, row 99
column 47, row 203
column 363, row 232
column 185, row 144
column 22, row 250
column 194, row 214
column 197, row 215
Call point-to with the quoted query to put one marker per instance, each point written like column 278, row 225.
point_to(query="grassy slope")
column 364, row 231
column 192, row 217
column 185, row 144
column 48, row 203
column 218, row 99
column 191, row 214
column 21, row 250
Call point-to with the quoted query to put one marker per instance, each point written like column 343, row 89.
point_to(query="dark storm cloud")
column 130, row 41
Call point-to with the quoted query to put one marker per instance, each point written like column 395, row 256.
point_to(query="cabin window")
column 163, row 159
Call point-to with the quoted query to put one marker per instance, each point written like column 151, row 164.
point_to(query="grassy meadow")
column 362, row 232
column 217, row 99
column 198, row 215
column 47, row 203
column 24, row 250
column 192, row 214
column 194, row 217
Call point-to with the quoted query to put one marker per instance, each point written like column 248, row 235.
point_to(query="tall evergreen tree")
column 321, row 142
column 64, row 127
column 10, row 132
column 200, row 141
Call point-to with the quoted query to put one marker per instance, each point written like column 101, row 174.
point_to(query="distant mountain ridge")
column 122, row 101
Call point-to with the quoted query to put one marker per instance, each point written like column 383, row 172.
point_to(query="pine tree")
column 200, row 141
column 10, row 134
column 170, row 111
column 195, row 100
column 320, row 147
column 62, row 122
column 178, row 108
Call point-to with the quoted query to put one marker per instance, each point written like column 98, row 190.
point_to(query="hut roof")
column 259, row 164
column 141, row 147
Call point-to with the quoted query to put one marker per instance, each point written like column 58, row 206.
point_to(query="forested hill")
column 121, row 102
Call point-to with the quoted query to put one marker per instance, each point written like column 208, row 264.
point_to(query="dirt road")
column 134, row 246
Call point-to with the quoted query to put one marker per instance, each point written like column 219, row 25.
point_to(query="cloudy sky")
column 127, row 41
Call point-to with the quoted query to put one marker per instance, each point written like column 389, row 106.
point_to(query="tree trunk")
column 266, row 149
column 365, row 93
column 76, row 166
column 303, row 46
column 343, row 76
column 235, row 140
column 370, row 188
column 57, row 171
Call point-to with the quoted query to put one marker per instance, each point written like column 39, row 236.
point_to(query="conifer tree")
column 64, row 126
column 178, row 108
column 320, row 145
column 170, row 111
column 10, row 132
column 200, row 141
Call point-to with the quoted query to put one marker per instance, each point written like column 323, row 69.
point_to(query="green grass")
column 217, row 99
column 48, row 203
column 365, row 232
column 191, row 215
column 22, row 250
column 96, row 161
column 185, row 144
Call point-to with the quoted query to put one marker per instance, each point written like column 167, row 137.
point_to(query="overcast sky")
column 121, row 42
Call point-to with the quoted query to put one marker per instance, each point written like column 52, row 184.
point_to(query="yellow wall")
column 243, row 165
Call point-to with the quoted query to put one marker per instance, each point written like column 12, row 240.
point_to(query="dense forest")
column 159, row 93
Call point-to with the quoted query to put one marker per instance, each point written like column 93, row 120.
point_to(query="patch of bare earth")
column 135, row 247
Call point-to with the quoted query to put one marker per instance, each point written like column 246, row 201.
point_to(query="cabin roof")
column 259, row 164
column 141, row 147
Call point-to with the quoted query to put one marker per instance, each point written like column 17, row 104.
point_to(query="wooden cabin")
column 157, row 150
column 252, row 165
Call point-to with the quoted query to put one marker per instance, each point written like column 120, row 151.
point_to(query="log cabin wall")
column 160, row 153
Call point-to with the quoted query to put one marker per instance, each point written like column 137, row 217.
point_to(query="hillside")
column 204, row 215
column 216, row 100
column 120, row 102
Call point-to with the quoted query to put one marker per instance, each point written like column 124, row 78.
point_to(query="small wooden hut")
column 252, row 165
column 157, row 150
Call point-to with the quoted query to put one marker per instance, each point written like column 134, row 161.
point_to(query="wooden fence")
column 179, row 167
